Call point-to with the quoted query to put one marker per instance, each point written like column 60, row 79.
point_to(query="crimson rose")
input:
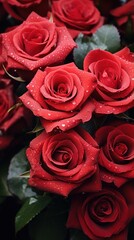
column 61, row 162
column 124, row 13
column 115, row 89
column 20, row 9
column 78, row 16
column 103, row 215
column 116, row 156
column 60, row 96
column 36, row 43
column 14, row 122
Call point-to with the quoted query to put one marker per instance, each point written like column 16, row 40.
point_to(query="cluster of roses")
column 96, row 171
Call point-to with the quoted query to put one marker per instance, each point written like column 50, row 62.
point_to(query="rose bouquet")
column 66, row 119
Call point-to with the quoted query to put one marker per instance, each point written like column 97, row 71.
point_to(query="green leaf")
column 17, row 184
column 106, row 38
column 51, row 223
column 82, row 49
column 31, row 208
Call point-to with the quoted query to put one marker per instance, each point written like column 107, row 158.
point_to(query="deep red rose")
column 115, row 89
column 60, row 96
column 12, row 123
column 124, row 13
column 78, row 16
column 34, row 44
column 103, row 215
column 116, row 156
column 21, row 9
column 61, row 162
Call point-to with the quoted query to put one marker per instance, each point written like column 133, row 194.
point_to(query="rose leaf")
column 107, row 38
column 82, row 49
column 31, row 208
column 51, row 222
column 19, row 185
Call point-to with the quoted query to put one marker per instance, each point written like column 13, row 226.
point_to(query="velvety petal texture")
column 103, row 215
column 34, row 44
column 11, row 121
column 60, row 96
column 115, row 77
column 61, row 162
column 116, row 156
column 124, row 13
column 20, row 9
column 77, row 15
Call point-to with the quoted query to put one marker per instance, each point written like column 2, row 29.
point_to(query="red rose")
column 123, row 13
column 103, row 215
column 116, row 156
column 61, row 162
column 115, row 89
column 60, row 96
column 21, row 9
column 12, row 123
column 36, row 43
column 78, row 16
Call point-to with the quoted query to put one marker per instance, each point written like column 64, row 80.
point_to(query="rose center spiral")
column 121, row 149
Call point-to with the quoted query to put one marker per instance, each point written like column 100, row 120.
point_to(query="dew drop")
column 74, row 103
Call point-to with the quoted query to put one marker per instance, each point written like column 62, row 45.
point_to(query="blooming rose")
column 21, row 9
column 61, row 162
column 123, row 13
column 78, row 16
column 60, row 96
column 35, row 43
column 115, row 89
column 103, row 215
column 116, row 156
column 12, row 123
